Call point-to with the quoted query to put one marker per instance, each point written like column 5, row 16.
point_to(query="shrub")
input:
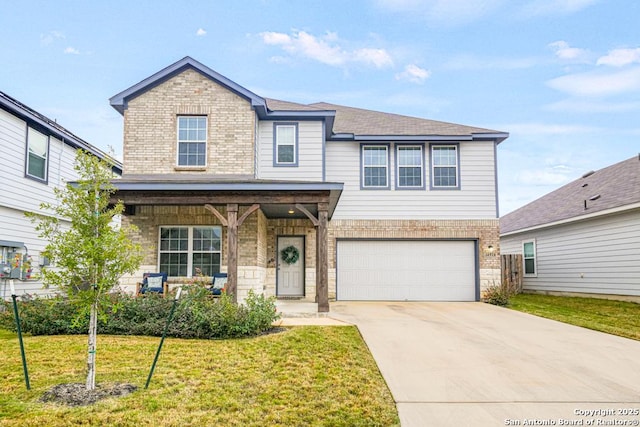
column 498, row 294
column 197, row 315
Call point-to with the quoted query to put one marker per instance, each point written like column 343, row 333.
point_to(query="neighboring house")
column 38, row 156
column 583, row 238
column 311, row 201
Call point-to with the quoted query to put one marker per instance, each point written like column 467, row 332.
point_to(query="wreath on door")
column 290, row 254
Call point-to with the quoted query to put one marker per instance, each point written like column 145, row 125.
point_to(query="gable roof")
column 341, row 122
column 51, row 127
column 615, row 186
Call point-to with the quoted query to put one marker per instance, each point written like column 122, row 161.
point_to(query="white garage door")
column 406, row 270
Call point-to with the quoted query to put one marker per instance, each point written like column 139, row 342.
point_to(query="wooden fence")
column 511, row 266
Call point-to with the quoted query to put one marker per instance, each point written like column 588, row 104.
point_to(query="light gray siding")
column 310, row 146
column 476, row 198
column 21, row 194
column 600, row 255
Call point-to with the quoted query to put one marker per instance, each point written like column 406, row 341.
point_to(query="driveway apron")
column 473, row 364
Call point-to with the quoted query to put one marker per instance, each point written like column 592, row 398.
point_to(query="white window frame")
column 399, row 186
column 535, row 259
column 363, row 166
column 432, row 184
column 190, row 250
column 192, row 141
column 278, row 143
column 31, row 134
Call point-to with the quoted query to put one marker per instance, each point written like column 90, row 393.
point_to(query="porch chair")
column 153, row 283
column 218, row 283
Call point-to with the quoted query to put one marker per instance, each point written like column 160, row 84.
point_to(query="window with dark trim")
column 185, row 248
column 410, row 173
column 445, row 171
column 529, row 258
column 286, row 144
column 37, row 155
column 375, row 166
column 192, row 141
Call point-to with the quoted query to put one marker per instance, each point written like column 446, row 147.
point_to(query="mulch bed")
column 76, row 394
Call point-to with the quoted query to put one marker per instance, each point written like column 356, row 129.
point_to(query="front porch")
column 246, row 227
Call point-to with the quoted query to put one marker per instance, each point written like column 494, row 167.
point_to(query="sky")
column 562, row 77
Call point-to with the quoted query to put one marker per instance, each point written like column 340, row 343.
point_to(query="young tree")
column 93, row 252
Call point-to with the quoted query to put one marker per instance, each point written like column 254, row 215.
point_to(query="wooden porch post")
column 322, row 258
column 232, row 256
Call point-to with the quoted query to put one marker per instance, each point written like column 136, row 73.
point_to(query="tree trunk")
column 91, row 357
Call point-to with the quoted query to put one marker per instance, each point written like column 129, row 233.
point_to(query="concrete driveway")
column 473, row 364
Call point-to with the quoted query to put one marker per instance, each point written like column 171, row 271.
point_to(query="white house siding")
column 22, row 194
column 476, row 199
column 310, row 135
column 599, row 255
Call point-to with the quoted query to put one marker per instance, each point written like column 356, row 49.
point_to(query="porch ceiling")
column 276, row 198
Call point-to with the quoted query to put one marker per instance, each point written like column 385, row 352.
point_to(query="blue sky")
column 561, row 76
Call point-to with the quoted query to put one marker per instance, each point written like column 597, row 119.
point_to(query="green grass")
column 613, row 317
column 303, row 376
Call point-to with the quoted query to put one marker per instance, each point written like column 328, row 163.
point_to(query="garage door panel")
column 406, row 270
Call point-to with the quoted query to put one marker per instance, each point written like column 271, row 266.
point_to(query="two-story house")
column 37, row 156
column 311, row 201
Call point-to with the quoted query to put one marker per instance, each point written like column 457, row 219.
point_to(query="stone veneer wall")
column 150, row 127
column 486, row 231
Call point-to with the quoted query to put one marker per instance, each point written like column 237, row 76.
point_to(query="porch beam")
column 200, row 198
column 218, row 215
column 322, row 258
column 232, row 256
column 309, row 215
column 249, row 211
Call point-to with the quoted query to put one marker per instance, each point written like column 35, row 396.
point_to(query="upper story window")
column 409, row 159
column 375, row 166
column 529, row 258
column 445, row 173
column 286, row 144
column 192, row 141
column 37, row 155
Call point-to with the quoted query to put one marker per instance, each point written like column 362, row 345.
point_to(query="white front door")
column 290, row 265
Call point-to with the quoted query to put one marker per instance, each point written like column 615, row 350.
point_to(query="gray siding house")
column 38, row 156
column 583, row 238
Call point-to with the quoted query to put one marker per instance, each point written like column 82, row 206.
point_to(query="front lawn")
column 613, row 317
column 303, row 376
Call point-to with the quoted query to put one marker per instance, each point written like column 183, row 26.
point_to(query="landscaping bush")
column 498, row 294
column 197, row 315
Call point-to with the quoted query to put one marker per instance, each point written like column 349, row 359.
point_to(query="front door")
column 290, row 266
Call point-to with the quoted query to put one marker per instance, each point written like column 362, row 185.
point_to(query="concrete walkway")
column 473, row 364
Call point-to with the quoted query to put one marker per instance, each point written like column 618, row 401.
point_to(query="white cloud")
column 326, row 49
column 201, row 32
column 50, row 37
column 556, row 7
column 596, row 83
column 443, row 12
column 567, row 53
column 620, row 57
column 71, row 51
column 413, row 74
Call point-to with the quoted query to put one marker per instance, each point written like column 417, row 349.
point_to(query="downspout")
column 255, row 147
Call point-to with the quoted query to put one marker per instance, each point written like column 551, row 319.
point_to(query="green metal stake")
column 164, row 334
column 24, row 357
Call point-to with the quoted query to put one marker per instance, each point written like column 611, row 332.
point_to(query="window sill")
column 190, row 168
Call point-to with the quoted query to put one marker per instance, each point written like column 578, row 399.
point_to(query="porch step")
column 296, row 308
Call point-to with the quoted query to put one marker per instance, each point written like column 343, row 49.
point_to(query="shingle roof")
column 612, row 187
column 367, row 122
column 279, row 105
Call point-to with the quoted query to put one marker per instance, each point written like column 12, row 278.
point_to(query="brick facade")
column 150, row 127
